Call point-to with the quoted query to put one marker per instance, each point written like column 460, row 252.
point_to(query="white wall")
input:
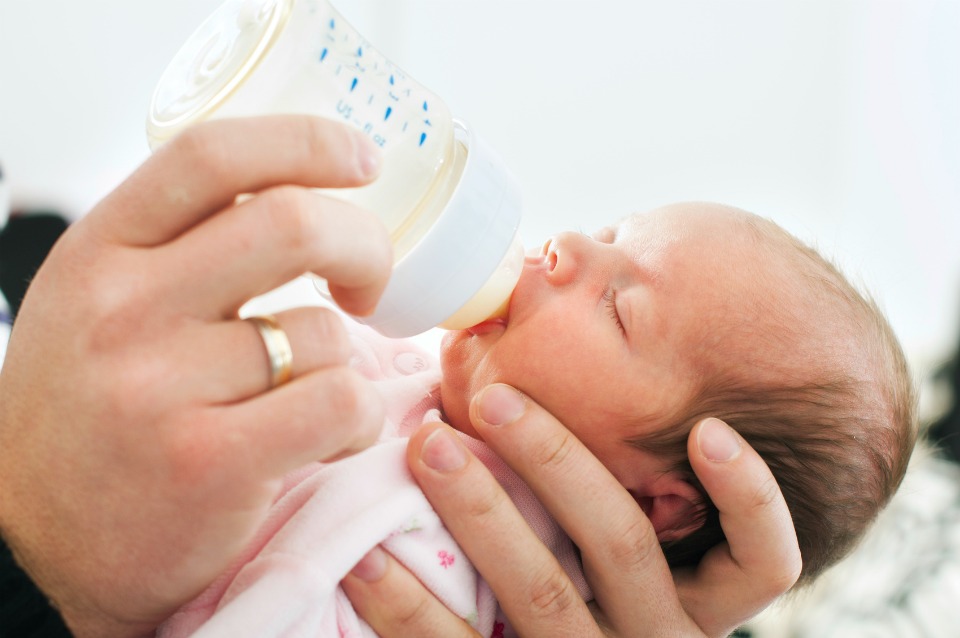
column 837, row 118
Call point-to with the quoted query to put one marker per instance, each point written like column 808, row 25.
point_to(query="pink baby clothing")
column 329, row 515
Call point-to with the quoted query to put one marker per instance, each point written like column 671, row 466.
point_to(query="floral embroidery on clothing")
column 498, row 628
column 446, row 558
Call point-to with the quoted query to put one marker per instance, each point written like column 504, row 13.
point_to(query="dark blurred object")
column 24, row 244
column 24, row 610
column 945, row 431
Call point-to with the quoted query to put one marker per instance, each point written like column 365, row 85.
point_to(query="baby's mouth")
column 536, row 259
column 488, row 326
column 497, row 321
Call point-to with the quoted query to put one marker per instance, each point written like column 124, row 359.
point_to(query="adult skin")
column 140, row 443
column 635, row 592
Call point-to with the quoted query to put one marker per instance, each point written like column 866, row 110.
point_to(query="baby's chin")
column 456, row 411
column 455, row 386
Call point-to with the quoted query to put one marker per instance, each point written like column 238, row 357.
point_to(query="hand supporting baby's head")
column 812, row 376
column 698, row 310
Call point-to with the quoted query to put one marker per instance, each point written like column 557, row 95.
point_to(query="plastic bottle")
column 450, row 206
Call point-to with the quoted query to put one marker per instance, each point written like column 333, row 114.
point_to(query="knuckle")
column 203, row 149
column 766, row 495
column 346, row 392
column 289, row 217
column 554, row 451
column 784, row 574
column 109, row 287
column 298, row 223
column 370, row 252
column 329, row 342
column 355, row 400
column 634, row 546
column 319, row 137
column 551, row 593
column 124, row 336
column 138, row 373
column 373, row 242
column 329, row 144
column 381, row 251
column 333, row 333
column 483, row 507
column 782, row 580
column 411, row 614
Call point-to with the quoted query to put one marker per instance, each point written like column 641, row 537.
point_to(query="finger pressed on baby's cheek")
column 499, row 404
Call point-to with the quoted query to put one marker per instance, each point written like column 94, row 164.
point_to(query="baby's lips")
column 487, row 326
column 496, row 321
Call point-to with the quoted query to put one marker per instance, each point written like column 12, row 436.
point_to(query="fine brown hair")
column 837, row 432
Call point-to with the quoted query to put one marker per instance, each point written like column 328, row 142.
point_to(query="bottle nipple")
column 492, row 301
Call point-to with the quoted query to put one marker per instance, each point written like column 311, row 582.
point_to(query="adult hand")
column 636, row 594
column 140, row 441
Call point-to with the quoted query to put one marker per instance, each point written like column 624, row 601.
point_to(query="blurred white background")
column 839, row 119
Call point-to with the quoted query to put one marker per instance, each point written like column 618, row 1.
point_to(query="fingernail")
column 371, row 567
column 368, row 156
column 717, row 441
column 501, row 404
column 442, row 453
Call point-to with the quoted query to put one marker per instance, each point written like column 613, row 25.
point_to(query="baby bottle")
column 450, row 206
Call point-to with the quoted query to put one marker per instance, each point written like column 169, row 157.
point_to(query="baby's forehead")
column 718, row 253
column 716, row 234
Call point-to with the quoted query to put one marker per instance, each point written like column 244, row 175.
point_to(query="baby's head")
column 695, row 310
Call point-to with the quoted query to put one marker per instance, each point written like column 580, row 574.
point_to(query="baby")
column 629, row 337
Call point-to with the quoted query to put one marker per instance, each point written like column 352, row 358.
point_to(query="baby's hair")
column 838, row 440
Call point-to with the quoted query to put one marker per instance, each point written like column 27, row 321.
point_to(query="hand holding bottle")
column 450, row 206
column 141, row 441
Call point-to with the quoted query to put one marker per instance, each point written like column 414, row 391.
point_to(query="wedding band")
column 278, row 348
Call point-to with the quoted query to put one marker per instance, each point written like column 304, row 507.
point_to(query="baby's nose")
column 562, row 255
column 548, row 255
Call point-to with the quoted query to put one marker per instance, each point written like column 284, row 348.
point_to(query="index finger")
column 761, row 559
column 528, row 582
column 202, row 170
column 621, row 554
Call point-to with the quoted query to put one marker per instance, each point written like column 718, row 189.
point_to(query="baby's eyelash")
column 610, row 297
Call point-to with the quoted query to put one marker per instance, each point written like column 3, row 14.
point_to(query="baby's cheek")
column 458, row 384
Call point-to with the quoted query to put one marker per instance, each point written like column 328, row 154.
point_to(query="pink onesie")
column 328, row 516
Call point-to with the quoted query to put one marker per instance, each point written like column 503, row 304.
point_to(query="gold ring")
column 278, row 348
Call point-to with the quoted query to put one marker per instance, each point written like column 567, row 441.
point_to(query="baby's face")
column 607, row 332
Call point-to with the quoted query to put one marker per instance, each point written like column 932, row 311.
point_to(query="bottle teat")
column 492, row 301
column 465, row 267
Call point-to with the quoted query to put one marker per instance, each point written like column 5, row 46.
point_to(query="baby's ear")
column 673, row 506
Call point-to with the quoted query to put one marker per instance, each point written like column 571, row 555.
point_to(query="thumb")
column 761, row 559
